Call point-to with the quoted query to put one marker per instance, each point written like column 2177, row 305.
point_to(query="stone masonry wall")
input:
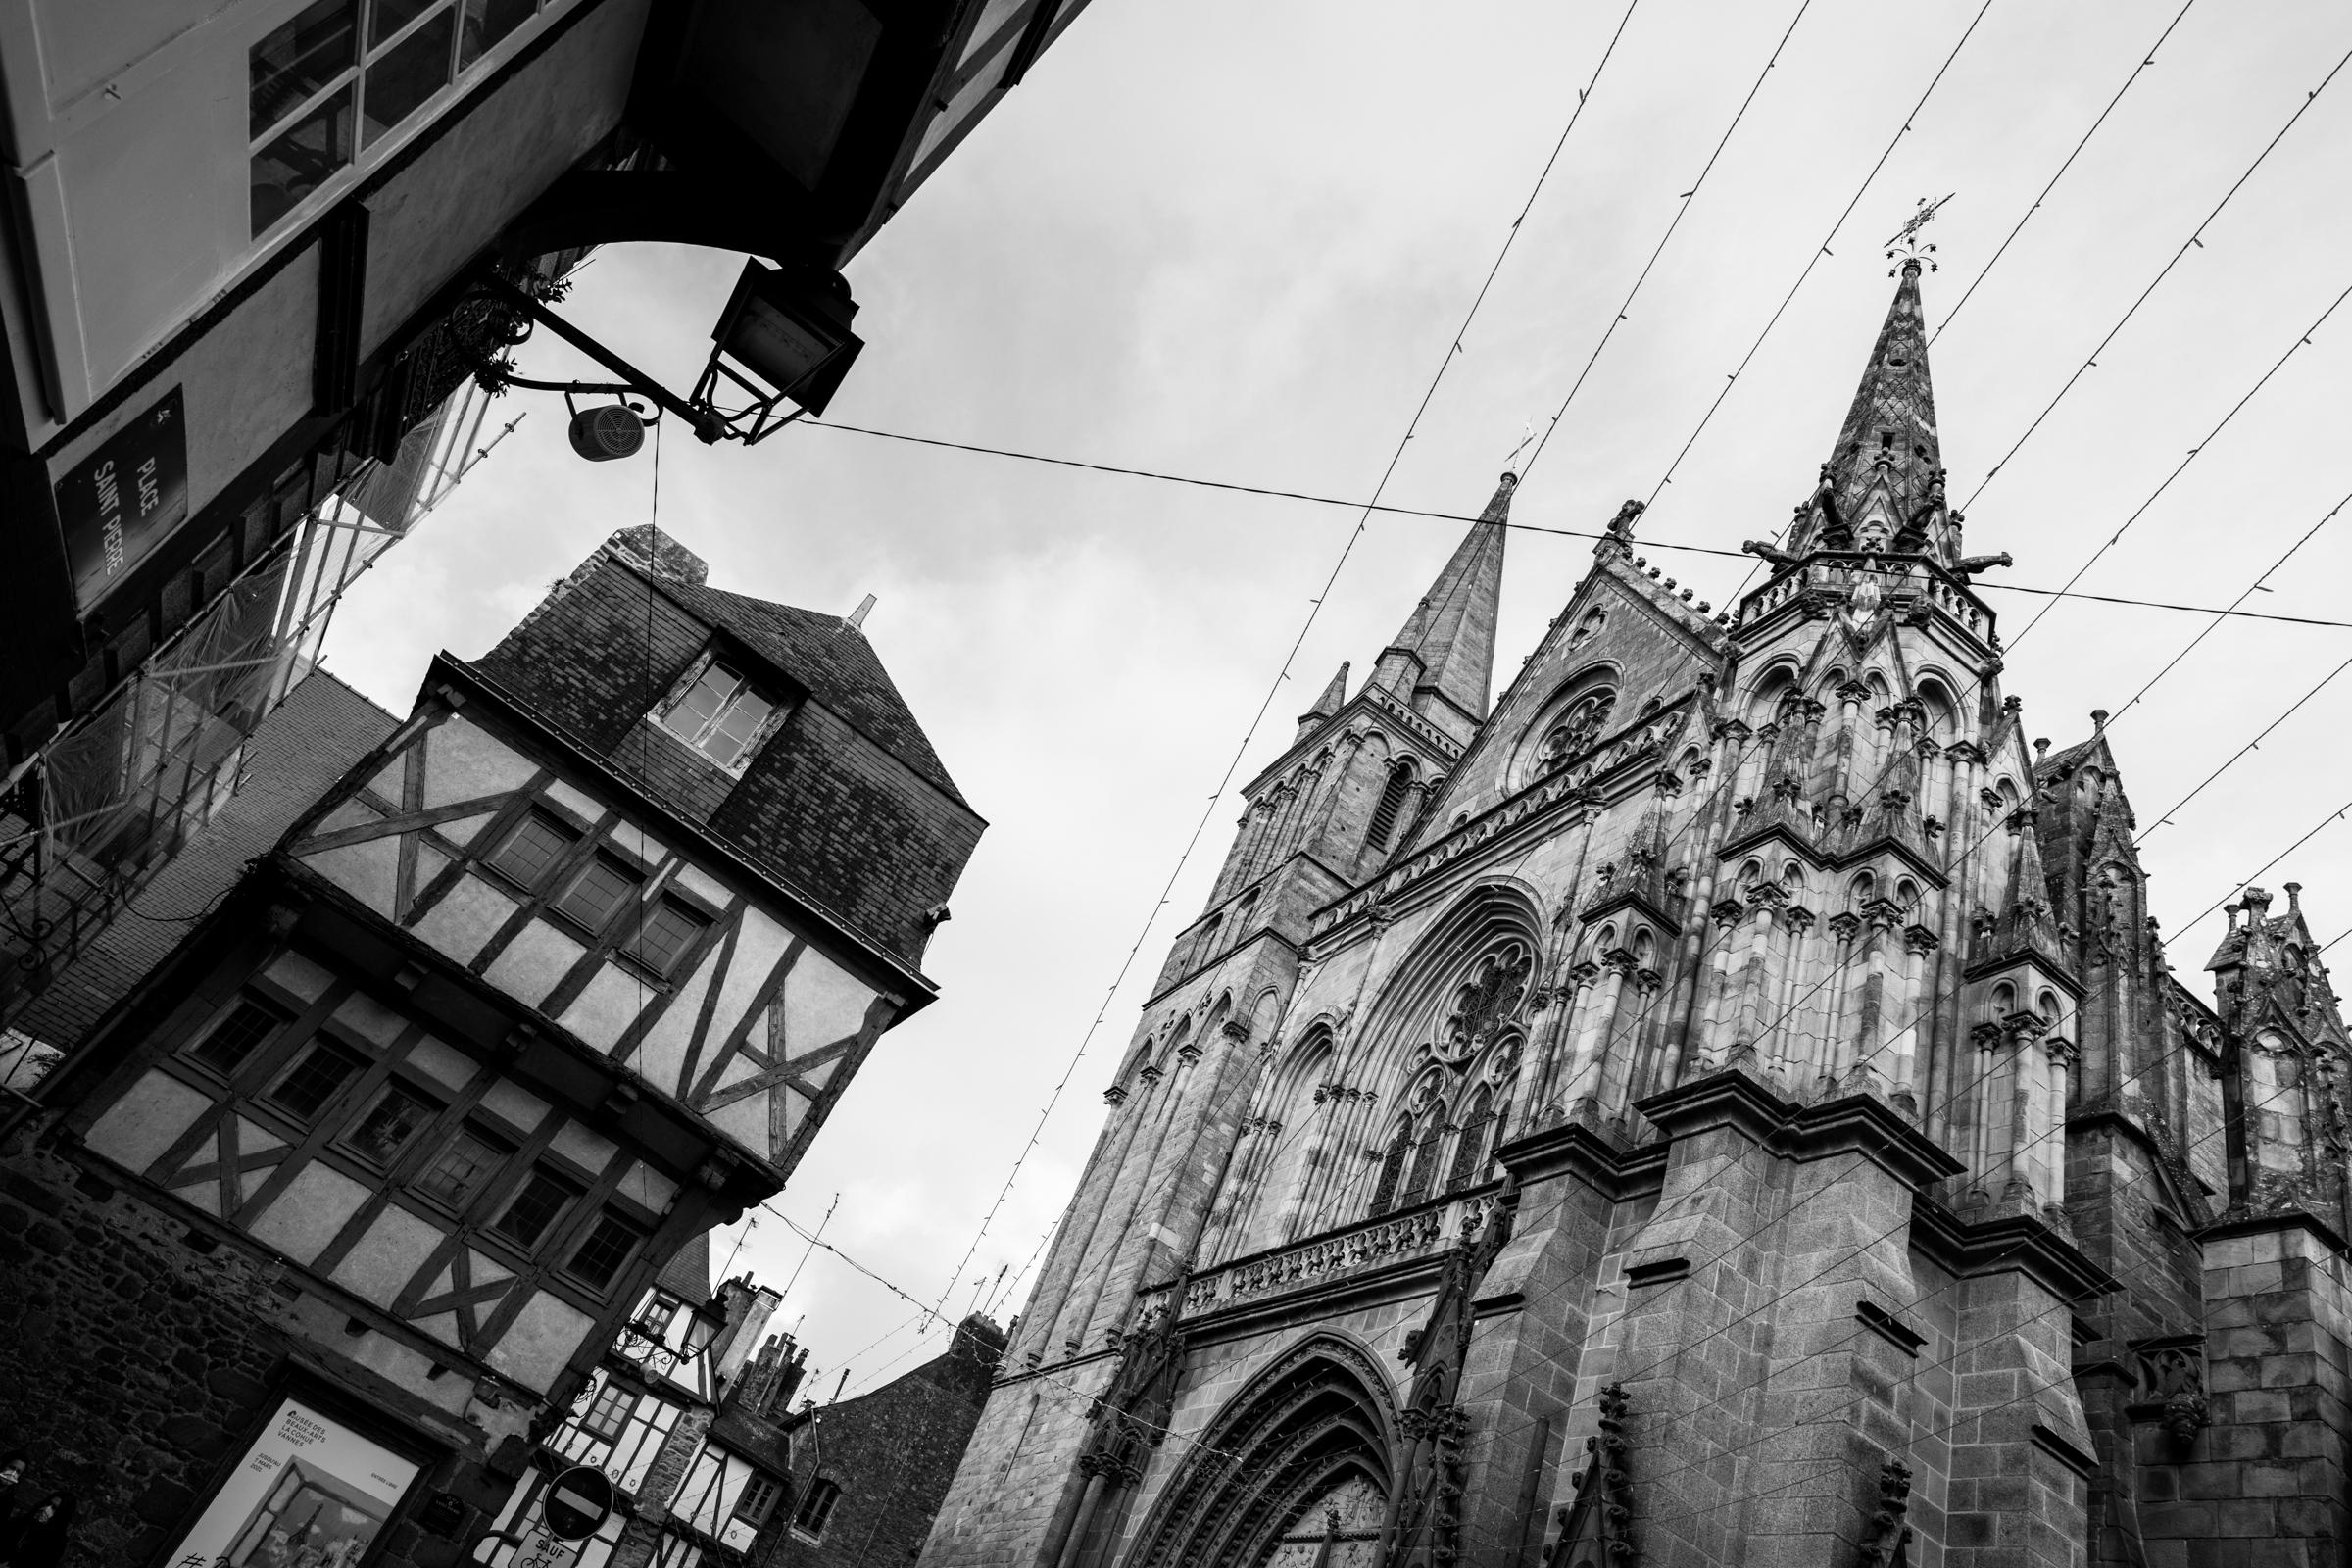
column 134, row 1367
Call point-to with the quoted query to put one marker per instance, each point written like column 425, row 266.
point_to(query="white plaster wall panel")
column 461, row 829
column 350, row 813
column 638, row 841
column 648, row 1187
column 540, row 1340
column 389, row 778
column 300, row 975
column 822, row 1004
column 442, row 1326
column 756, row 949
column 513, row 1104
column 607, row 1004
column 786, row 1112
column 430, row 864
column 535, row 964
column 661, row 1053
column 821, row 1074
column 255, row 1139
column 251, row 1182
column 698, row 881
column 439, row 1063
column 578, row 802
column 747, row 1122
column 583, row 1146
column 137, row 1129
column 486, row 1271
column 369, row 870
column 395, row 1247
column 463, row 762
column 308, row 1214
column 368, row 1016
column 411, row 1370
column 470, row 916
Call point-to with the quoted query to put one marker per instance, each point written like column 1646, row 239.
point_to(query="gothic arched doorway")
column 1311, row 1434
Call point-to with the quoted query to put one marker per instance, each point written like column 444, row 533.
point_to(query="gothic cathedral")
column 1724, row 1104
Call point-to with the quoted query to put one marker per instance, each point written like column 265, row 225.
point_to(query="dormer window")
column 721, row 715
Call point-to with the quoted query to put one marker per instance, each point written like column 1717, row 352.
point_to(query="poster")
column 119, row 503
column 309, row 1492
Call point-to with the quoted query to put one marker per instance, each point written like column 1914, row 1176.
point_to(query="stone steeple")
column 1443, row 661
column 1882, row 489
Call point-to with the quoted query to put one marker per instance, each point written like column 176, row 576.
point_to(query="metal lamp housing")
column 792, row 332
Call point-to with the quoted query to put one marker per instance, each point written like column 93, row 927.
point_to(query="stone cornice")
column 1853, row 1124
column 2020, row 1243
column 1573, row 1148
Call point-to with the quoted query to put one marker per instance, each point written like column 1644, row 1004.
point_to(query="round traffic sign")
column 579, row 1502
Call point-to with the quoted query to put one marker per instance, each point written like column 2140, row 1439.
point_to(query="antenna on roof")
column 857, row 618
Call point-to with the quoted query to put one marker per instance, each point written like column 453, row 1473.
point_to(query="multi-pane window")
column 533, row 1211
column 328, row 83
column 600, row 1258
column 816, row 1509
column 668, row 930
column 600, row 891
column 537, row 844
column 391, row 1123
column 721, row 715
column 316, row 1078
column 758, row 1499
column 609, row 1411
column 457, row 1172
column 655, row 1321
column 226, row 1048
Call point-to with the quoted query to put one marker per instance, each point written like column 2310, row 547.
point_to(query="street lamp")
column 781, row 338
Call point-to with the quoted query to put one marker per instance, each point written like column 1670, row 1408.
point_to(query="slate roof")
column 834, row 660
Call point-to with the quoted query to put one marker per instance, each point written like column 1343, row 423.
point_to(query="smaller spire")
column 1327, row 706
column 1442, row 659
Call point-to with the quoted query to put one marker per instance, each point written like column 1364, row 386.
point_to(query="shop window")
column 315, row 1079
column 601, row 890
column 391, row 1124
column 487, row 23
column 600, row 1258
column 534, row 1210
column 668, row 930
column 457, row 1172
column 815, row 1509
column 238, row 1036
column 532, row 850
column 721, row 715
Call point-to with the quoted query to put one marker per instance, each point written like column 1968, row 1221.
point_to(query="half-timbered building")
column 564, row 972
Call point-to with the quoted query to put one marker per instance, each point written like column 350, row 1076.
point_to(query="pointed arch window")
column 1470, row 1150
column 1392, row 1166
column 1422, row 1175
column 1390, row 806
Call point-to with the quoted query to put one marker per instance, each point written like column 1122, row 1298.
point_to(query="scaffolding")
column 112, row 798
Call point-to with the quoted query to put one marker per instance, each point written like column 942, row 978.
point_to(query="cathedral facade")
column 1724, row 1102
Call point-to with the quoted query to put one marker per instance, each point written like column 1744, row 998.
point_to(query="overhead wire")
column 2194, row 241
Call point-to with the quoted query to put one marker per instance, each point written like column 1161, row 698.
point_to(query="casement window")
column 390, row 1125
column 533, row 1211
column 609, row 1413
column 318, row 1075
column 669, row 929
column 236, row 1037
column 457, row 1172
column 758, row 1499
column 328, row 83
column 610, row 1241
column 721, row 715
column 816, row 1509
column 603, row 887
column 530, row 852
column 655, row 1321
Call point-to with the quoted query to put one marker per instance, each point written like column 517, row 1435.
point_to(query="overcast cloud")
column 1234, row 240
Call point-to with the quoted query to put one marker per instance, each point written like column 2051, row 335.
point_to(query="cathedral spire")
column 1443, row 662
column 1882, row 487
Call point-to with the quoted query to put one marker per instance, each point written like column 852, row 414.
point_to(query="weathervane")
column 1906, row 243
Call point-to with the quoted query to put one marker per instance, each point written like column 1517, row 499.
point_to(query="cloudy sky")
column 1236, row 240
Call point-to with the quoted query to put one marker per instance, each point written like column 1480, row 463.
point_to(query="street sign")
column 539, row 1551
column 578, row 1502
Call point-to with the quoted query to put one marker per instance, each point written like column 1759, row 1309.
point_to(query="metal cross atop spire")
column 1526, row 438
column 1907, row 246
